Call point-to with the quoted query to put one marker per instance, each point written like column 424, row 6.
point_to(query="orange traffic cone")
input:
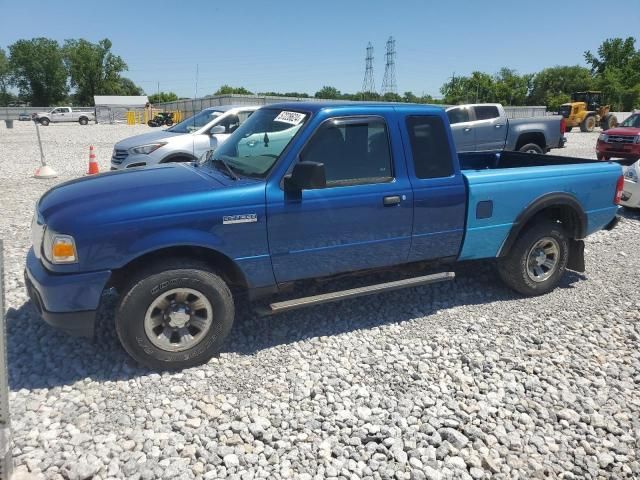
column 93, row 165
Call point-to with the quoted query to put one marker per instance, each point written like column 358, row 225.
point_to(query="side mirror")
column 217, row 129
column 306, row 176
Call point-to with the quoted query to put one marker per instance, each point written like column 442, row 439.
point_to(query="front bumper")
column 138, row 160
column 612, row 150
column 65, row 301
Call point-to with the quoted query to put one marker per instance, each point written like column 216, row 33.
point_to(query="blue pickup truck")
column 303, row 191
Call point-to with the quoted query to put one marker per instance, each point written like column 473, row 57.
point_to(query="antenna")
column 368, row 84
column 389, row 81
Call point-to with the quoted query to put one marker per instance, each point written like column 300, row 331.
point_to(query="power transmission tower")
column 389, row 81
column 368, row 84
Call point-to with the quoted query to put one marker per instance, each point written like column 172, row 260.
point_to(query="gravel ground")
column 459, row 380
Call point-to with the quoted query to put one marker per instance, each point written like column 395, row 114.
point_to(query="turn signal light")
column 619, row 187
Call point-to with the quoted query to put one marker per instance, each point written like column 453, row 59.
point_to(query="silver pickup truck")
column 485, row 127
column 65, row 114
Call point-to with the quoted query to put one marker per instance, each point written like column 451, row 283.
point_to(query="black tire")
column 514, row 267
column 44, row 122
column 568, row 129
column 148, row 286
column 588, row 124
column 168, row 123
column 83, row 120
column 609, row 121
column 151, row 123
column 532, row 148
column 602, row 157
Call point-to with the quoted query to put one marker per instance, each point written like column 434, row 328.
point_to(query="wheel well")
column 219, row 262
column 178, row 158
column 533, row 137
column 567, row 211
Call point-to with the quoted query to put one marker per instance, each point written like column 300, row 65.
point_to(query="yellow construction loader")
column 585, row 111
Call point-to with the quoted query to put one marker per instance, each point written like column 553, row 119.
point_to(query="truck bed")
column 503, row 185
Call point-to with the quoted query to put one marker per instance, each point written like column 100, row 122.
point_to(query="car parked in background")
column 24, row 116
column 485, row 127
column 65, row 114
column 631, row 189
column 622, row 141
column 184, row 142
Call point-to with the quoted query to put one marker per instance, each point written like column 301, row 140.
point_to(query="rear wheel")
column 83, row 121
column 537, row 260
column 44, row 121
column 174, row 315
column 532, row 148
column 588, row 124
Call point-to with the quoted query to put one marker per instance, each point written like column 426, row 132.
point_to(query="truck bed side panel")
column 510, row 191
column 548, row 126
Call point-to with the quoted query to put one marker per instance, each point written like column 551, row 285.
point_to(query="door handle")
column 466, row 130
column 391, row 200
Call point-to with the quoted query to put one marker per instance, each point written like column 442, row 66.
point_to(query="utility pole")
column 389, row 81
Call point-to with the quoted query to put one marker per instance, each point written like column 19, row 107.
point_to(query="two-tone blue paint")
column 118, row 217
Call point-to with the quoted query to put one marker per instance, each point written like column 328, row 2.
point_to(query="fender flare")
column 171, row 156
column 555, row 199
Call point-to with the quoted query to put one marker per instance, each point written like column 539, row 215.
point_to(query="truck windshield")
column 633, row 121
column 196, row 122
column 257, row 144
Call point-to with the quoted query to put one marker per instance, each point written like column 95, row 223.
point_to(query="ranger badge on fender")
column 246, row 218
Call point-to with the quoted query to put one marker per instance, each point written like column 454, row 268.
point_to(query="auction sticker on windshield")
column 294, row 118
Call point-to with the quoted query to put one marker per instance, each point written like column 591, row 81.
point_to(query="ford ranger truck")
column 303, row 191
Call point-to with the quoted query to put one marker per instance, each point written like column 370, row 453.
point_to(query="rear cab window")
column 458, row 115
column 486, row 112
column 430, row 147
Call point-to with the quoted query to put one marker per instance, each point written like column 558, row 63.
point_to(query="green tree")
column 511, row 88
column 124, row 86
column 5, row 79
column 478, row 88
column 229, row 90
column 39, row 71
column 329, row 93
column 616, row 68
column 93, row 69
column 553, row 86
column 163, row 97
column 409, row 97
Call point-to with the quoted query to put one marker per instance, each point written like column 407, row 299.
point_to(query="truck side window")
column 486, row 112
column 458, row 115
column 352, row 153
column 429, row 146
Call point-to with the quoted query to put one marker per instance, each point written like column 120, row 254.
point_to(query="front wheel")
column 588, row 124
column 538, row 259
column 175, row 315
column 44, row 122
column 168, row 123
column 532, row 148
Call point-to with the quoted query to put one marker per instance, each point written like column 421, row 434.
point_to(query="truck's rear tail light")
column 619, row 187
column 563, row 126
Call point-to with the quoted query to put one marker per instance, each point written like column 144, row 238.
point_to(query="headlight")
column 603, row 137
column 146, row 149
column 59, row 248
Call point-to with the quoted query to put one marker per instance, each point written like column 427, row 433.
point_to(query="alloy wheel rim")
column 543, row 259
column 178, row 319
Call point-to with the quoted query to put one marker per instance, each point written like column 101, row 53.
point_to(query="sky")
column 303, row 45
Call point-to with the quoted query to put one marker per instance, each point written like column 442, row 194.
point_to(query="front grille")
column 621, row 139
column 119, row 156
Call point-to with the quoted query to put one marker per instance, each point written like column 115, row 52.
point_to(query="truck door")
column 59, row 114
column 439, row 191
column 361, row 219
column 490, row 128
column 464, row 134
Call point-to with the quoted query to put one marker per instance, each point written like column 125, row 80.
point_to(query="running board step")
column 279, row 307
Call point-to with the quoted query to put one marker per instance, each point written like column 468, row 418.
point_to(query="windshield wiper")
column 221, row 161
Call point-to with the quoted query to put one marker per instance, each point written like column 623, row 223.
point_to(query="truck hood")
column 629, row 131
column 145, row 138
column 121, row 195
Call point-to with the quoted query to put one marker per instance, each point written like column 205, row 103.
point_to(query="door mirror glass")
column 306, row 176
column 217, row 129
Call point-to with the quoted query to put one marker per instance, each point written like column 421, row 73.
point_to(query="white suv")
column 184, row 142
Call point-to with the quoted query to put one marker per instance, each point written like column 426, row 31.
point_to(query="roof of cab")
column 314, row 107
